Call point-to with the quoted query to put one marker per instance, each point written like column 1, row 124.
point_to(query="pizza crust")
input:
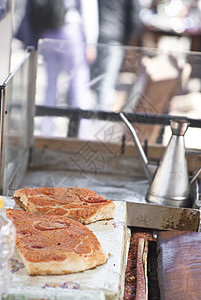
column 67, row 266
column 80, row 204
column 54, row 245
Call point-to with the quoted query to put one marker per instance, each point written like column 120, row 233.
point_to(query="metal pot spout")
column 138, row 146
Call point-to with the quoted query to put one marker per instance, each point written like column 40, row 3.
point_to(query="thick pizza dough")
column 80, row 204
column 55, row 245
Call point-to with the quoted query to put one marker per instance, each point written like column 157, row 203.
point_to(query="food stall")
column 94, row 149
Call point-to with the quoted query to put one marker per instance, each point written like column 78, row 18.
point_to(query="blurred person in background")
column 119, row 25
column 72, row 21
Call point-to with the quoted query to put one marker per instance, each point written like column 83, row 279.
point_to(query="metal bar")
column 31, row 95
column 2, row 123
column 74, row 125
column 17, row 68
column 135, row 117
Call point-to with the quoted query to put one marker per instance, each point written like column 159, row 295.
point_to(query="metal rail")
column 76, row 114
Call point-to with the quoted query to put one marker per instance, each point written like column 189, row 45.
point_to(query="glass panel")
column 16, row 121
column 6, row 32
column 129, row 79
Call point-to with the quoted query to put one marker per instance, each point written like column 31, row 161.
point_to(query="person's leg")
column 79, row 94
column 50, row 97
column 106, row 93
column 52, row 71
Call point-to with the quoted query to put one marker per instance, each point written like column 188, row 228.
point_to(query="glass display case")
column 17, row 115
column 150, row 85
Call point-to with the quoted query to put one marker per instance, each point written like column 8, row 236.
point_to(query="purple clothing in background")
column 67, row 54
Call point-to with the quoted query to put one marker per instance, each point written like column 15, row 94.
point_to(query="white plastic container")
column 7, row 245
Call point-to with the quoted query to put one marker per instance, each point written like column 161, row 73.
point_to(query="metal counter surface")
column 131, row 190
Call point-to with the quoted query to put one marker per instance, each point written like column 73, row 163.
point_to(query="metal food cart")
column 103, row 159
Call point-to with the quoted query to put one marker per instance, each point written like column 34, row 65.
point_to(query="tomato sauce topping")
column 94, row 199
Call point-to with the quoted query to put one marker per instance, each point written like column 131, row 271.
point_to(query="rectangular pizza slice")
column 80, row 204
column 55, row 245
